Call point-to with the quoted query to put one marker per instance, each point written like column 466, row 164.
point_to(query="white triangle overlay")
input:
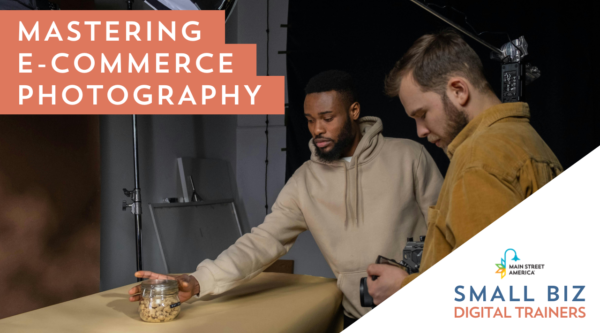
column 558, row 226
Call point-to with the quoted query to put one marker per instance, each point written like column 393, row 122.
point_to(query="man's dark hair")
column 433, row 59
column 335, row 80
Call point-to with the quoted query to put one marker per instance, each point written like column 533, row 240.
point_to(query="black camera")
column 411, row 262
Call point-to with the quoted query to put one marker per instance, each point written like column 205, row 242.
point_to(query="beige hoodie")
column 355, row 210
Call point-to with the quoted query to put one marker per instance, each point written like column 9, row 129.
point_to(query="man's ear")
column 355, row 111
column 458, row 90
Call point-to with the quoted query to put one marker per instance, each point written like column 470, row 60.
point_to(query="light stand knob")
column 125, row 205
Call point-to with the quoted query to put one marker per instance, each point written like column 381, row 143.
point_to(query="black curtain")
column 366, row 38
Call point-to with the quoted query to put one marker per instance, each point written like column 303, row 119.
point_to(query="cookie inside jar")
column 160, row 301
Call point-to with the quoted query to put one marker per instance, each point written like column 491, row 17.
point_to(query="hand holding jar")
column 161, row 296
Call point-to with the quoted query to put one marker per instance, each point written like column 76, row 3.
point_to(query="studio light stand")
column 135, row 194
column 136, row 197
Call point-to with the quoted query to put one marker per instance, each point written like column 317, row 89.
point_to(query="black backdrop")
column 366, row 38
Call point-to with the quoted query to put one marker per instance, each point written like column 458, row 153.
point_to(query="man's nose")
column 319, row 129
column 422, row 131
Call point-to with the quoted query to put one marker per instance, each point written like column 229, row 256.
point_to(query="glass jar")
column 160, row 301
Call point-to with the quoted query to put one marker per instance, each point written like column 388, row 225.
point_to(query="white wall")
column 240, row 140
column 251, row 139
column 161, row 140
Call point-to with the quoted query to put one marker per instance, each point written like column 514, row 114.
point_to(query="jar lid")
column 160, row 286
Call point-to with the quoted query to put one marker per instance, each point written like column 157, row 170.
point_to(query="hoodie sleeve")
column 257, row 250
column 428, row 182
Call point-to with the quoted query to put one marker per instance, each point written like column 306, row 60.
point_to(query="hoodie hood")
column 369, row 145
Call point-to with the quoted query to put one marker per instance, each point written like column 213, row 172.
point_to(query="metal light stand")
column 136, row 197
column 135, row 194
column 458, row 27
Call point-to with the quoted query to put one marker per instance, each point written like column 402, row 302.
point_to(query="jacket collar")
column 486, row 119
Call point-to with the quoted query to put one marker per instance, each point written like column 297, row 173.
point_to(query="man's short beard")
column 344, row 142
column 457, row 119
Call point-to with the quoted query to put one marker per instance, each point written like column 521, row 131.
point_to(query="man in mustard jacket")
column 497, row 159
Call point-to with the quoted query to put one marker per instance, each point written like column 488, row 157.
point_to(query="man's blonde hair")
column 433, row 59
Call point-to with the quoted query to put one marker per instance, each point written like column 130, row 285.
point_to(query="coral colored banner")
column 129, row 62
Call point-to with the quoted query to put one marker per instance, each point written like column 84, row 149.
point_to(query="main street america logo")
column 502, row 265
column 515, row 269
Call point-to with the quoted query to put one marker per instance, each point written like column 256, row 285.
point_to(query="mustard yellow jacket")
column 496, row 161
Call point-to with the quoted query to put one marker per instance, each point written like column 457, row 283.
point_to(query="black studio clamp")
column 515, row 74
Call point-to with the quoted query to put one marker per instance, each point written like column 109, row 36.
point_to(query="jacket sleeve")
column 428, row 182
column 257, row 250
column 477, row 199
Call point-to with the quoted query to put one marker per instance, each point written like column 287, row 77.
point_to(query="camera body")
column 412, row 254
column 411, row 262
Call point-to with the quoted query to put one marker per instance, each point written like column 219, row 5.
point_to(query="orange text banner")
column 129, row 62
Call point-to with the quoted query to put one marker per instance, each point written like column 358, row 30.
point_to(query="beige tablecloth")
column 271, row 302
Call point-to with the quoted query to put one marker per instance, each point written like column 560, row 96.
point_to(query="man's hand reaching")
column 188, row 285
column 388, row 282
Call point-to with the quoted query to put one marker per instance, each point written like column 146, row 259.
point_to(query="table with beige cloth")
column 271, row 302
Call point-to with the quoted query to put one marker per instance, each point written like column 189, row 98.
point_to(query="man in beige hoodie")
column 361, row 195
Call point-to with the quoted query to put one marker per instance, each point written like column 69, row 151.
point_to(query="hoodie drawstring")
column 355, row 203
column 352, row 195
column 371, row 128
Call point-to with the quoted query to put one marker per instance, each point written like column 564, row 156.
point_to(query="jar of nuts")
column 160, row 301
